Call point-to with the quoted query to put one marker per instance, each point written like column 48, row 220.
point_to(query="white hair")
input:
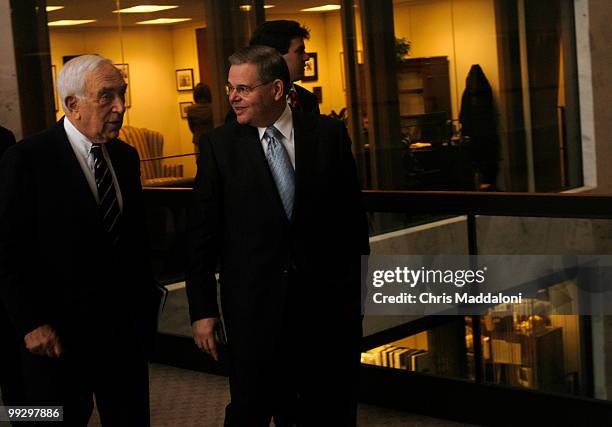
column 71, row 78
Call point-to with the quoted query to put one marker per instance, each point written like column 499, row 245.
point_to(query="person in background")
column 288, row 38
column 199, row 115
column 277, row 207
column 75, row 275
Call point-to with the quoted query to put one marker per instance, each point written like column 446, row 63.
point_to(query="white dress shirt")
column 81, row 146
column 284, row 125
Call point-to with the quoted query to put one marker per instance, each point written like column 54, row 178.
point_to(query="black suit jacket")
column 56, row 266
column 6, row 140
column 308, row 102
column 239, row 221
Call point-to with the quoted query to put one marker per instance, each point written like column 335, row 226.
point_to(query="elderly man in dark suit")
column 74, row 270
column 278, row 206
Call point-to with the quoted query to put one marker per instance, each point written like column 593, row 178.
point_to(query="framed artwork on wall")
column 183, row 106
column 125, row 72
column 184, row 79
column 311, row 70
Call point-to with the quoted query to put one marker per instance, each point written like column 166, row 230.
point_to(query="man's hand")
column 204, row 335
column 44, row 341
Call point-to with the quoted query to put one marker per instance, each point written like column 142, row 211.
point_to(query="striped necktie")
column 107, row 196
column 281, row 168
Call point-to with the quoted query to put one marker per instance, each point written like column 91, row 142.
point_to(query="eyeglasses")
column 242, row 90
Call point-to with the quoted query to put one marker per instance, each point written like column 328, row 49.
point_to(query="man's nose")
column 233, row 95
column 119, row 104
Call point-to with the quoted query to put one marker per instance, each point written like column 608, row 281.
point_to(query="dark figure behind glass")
column 11, row 382
column 479, row 122
column 199, row 115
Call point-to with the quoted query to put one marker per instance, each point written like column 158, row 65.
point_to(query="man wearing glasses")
column 278, row 207
column 288, row 38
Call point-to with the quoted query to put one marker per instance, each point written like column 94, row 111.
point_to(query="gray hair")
column 71, row 78
column 270, row 63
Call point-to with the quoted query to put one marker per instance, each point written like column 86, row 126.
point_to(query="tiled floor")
column 185, row 398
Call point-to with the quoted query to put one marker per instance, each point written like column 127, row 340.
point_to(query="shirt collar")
column 284, row 124
column 79, row 141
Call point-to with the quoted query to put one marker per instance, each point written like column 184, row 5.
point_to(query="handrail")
column 150, row 159
column 552, row 205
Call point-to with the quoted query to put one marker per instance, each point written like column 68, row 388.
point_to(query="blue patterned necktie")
column 108, row 202
column 281, row 168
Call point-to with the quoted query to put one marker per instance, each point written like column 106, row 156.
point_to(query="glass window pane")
column 492, row 105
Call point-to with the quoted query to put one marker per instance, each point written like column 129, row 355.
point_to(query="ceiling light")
column 164, row 21
column 52, row 8
column 66, row 22
column 247, row 7
column 326, row 8
column 144, row 8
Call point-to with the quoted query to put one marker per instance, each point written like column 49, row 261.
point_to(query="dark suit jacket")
column 308, row 102
column 239, row 220
column 55, row 265
column 6, row 140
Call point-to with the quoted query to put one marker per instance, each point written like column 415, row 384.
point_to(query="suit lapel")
column 250, row 147
column 76, row 182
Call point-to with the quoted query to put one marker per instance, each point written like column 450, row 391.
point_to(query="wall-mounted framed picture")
column 184, row 79
column 311, row 69
column 183, row 106
column 55, row 94
column 125, row 72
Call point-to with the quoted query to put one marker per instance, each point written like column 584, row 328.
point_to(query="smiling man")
column 278, row 208
column 74, row 271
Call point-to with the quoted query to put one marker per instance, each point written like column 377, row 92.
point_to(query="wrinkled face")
column 99, row 115
column 262, row 102
column 296, row 58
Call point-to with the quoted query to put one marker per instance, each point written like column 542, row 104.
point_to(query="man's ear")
column 279, row 90
column 72, row 102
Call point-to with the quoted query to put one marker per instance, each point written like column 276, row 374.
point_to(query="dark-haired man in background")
column 288, row 38
column 278, row 205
